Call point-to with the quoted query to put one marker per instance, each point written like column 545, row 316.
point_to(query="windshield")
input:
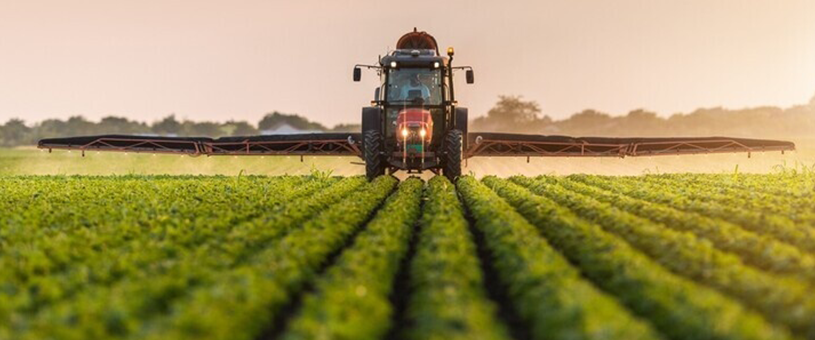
column 415, row 85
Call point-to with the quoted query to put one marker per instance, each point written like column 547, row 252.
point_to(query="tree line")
column 510, row 114
column 16, row 132
column 513, row 114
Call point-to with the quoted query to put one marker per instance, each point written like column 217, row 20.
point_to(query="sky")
column 222, row 60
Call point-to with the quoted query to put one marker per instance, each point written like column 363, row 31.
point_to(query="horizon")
column 220, row 62
column 612, row 115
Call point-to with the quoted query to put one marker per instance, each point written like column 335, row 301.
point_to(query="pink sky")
column 220, row 60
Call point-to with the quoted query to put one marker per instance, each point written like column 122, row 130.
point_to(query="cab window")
column 409, row 86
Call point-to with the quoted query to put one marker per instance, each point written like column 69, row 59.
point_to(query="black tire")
column 451, row 167
column 373, row 146
column 371, row 119
column 461, row 124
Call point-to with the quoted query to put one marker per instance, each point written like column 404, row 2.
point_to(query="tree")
column 119, row 125
column 513, row 110
column 641, row 123
column 347, row 128
column 274, row 119
column 79, row 126
column 50, row 128
column 240, row 128
column 14, row 133
column 587, row 122
column 167, row 126
column 512, row 114
column 201, row 129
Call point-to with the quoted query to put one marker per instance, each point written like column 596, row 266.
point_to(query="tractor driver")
column 415, row 89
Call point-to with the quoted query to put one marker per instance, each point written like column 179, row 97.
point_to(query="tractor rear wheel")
column 452, row 156
column 373, row 147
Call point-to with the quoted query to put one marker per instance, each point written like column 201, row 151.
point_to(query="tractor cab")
column 413, row 98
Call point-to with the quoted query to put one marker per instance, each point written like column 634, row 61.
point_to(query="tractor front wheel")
column 452, row 155
column 373, row 147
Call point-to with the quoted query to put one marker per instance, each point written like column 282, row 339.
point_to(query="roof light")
column 451, row 51
column 393, row 64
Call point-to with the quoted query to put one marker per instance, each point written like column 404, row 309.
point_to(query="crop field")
column 682, row 256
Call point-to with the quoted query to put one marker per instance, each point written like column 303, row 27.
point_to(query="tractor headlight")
column 422, row 132
column 436, row 65
column 393, row 64
column 404, row 133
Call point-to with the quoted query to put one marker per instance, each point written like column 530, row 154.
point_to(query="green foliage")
column 182, row 249
column 797, row 209
column 351, row 300
column 780, row 299
column 756, row 249
column 241, row 303
column 448, row 300
column 676, row 306
column 546, row 290
column 708, row 203
column 191, row 257
column 320, row 174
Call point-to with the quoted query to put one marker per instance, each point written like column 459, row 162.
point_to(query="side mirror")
column 357, row 74
column 376, row 93
column 470, row 77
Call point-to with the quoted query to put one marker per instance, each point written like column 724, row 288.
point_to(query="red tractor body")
column 414, row 131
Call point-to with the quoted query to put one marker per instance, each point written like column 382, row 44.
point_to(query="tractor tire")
column 451, row 167
column 373, row 146
column 461, row 125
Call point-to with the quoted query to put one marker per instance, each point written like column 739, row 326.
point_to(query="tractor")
column 414, row 123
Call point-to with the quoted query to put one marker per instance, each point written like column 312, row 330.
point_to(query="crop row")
column 84, row 255
column 580, row 257
column 36, row 209
column 245, row 300
column 755, row 249
column 162, row 282
column 778, row 227
column 784, row 185
column 798, row 209
column 447, row 296
column 351, row 300
column 546, row 291
column 45, row 270
column 780, row 299
column 677, row 306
